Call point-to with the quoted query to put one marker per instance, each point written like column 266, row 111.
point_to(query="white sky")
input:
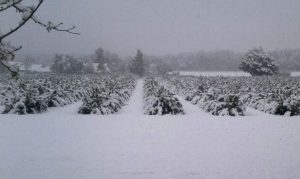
column 162, row 26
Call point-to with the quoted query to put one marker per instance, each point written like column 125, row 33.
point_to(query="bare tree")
column 27, row 13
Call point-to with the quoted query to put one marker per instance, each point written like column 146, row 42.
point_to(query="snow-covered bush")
column 95, row 103
column 27, row 99
column 159, row 100
column 202, row 92
column 219, row 104
column 107, row 97
column 258, row 63
column 288, row 107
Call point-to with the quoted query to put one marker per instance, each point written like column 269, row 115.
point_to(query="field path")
column 135, row 104
column 191, row 109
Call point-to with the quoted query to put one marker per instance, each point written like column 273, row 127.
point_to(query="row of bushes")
column 274, row 95
column 211, row 99
column 36, row 95
column 263, row 102
column 219, row 104
column 36, row 92
column 108, row 97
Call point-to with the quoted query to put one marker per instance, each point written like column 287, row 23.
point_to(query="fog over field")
column 162, row 27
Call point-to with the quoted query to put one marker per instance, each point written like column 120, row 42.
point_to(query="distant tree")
column 58, row 64
column 100, row 59
column 159, row 68
column 28, row 61
column 73, row 65
column 88, row 68
column 107, row 61
column 163, row 68
column 27, row 13
column 258, row 63
column 114, row 63
column 137, row 64
column 66, row 64
column 287, row 59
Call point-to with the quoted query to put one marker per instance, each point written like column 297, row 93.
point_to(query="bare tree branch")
column 49, row 26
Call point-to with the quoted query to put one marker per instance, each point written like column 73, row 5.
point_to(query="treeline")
column 70, row 64
column 221, row 60
column 100, row 61
column 217, row 60
column 288, row 59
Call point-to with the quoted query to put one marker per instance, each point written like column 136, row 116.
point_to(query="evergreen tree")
column 137, row 64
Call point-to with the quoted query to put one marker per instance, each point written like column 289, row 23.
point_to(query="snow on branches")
column 159, row 100
column 26, row 13
column 107, row 95
column 258, row 63
column 277, row 95
column 219, row 100
column 37, row 92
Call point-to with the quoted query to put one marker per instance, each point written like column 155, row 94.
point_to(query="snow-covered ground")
column 62, row 144
column 221, row 73
column 213, row 73
column 33, row 67
column 295, row 73
column 39, row 68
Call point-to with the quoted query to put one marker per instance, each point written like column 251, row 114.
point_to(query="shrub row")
column 108, row 97
column 36, row 95
column 211, row 99
column 274, row 95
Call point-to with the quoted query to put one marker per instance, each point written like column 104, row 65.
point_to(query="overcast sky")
column 162, row 26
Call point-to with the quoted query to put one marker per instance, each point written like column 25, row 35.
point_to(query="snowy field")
column 222, row 73
column 81, row 105
column 295, row 73
column 62, row 144
column 32, row 67
column 213, row 73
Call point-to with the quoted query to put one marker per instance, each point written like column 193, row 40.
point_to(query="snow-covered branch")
column 7, row 53
column 49, row 25
column 9, row 4
column 27, row 13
